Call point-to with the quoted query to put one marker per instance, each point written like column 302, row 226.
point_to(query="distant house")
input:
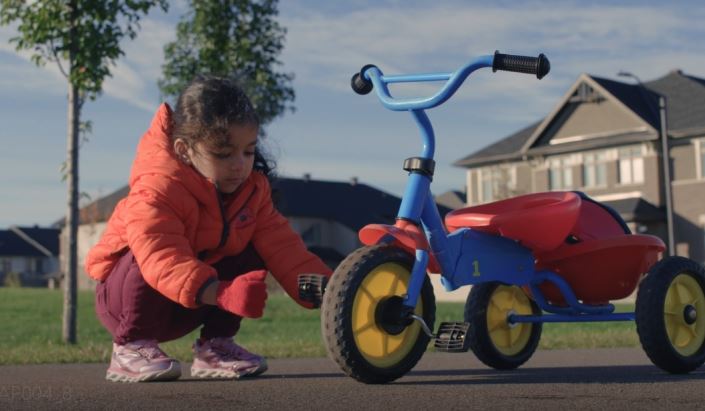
column 452, row 199
column 327, row 215
column 29, row 255
column 604, row 138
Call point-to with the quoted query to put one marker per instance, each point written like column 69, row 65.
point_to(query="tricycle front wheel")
column 670, row 314
column 496, row 342
column 360, row 319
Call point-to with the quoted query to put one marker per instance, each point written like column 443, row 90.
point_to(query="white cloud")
column 20, row 74
column 145, row 53
column 321, row 47
column 133, row 78
column 135, row 75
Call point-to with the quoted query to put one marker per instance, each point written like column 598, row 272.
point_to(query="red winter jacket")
column 173, row 214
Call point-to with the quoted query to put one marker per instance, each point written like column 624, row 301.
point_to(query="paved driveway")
column 621, row 379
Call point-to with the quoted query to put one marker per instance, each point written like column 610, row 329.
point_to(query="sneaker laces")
column 149, row 349
column 228, row 349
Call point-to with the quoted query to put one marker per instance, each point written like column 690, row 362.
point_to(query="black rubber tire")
column 651, row 315
column 479, row 337
column 337, row 307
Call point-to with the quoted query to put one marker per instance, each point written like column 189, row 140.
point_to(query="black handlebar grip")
column 540, row 66
column 359, row 83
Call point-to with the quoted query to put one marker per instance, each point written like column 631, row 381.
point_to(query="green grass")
column 30, row 330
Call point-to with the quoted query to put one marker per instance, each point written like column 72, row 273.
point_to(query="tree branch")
column 56, row 58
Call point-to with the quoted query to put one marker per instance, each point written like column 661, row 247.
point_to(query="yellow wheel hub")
column 378, row 347
column 684, row 314
column 508, row 339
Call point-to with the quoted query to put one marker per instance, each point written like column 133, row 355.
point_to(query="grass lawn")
column 30, row 331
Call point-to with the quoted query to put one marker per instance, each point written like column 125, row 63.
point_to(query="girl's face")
column 227, row 166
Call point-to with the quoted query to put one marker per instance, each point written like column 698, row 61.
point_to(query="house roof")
column 643, row 103
column 352, row 204
column 99, row 210
column 685, row 102
column 504, row 149
column 452, row 199
column 29, row 242
column 636, row 209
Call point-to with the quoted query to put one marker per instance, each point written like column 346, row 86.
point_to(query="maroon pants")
column 132, row 310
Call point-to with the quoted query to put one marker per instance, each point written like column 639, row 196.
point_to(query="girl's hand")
column 245, row 295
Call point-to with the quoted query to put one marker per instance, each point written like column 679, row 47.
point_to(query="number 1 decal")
column 476, row 265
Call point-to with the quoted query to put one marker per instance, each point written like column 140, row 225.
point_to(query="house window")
column 487, row 185
column 497, row 183
column 560, row 174
column 631, row 165
column 595, row 169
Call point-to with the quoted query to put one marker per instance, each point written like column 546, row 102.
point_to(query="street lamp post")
column 665, row 156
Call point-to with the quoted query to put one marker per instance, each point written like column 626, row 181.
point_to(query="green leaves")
column 239, row 39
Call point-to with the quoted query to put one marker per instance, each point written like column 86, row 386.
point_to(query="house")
column 327, row 215
column 452, row 199
column 29, row 256
column 604, row 138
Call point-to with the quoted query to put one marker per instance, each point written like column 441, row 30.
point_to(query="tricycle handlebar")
column 370, row 77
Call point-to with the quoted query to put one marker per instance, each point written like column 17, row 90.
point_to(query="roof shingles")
column 685, row 102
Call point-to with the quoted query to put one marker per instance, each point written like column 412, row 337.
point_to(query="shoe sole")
column 170, row 374
column 209, row 373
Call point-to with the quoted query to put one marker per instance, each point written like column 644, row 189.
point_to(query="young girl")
column 191, row 244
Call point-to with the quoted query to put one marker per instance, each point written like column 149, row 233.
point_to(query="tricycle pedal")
column 312, row 287
column 451, row 337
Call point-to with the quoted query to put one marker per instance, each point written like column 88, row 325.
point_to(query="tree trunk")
column 70, row 279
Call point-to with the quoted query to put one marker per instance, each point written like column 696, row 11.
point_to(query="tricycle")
column 532, row 259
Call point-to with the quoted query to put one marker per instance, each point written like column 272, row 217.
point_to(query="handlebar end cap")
column 544, row 66
column 360, row 85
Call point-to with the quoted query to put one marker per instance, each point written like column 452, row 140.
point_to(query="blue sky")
column 335, row 134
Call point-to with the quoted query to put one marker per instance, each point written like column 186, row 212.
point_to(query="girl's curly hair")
column 207, row 108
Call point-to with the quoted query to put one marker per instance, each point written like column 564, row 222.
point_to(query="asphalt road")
column 603, row 379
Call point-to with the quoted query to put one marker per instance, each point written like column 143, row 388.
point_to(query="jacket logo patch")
column 243, row 218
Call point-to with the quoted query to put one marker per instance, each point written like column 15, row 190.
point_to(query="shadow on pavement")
column 552, row 375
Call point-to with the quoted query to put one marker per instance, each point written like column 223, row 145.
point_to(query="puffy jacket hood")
column 155, row 155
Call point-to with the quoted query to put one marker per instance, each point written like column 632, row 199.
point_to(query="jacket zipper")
column 225, row 233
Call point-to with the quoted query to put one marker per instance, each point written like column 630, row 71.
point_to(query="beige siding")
column 541, row 179
column 524, row 178
column 591, row 119
column 88, row 236
column 689, row 207
column 472, row 186
column 683, row 160
column 651, row 189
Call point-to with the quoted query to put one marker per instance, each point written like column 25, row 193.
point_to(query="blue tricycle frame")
column 378, row 309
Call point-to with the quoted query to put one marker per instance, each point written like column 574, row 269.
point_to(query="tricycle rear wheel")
column 496, row 342
column 358, row 314
column 670, row 314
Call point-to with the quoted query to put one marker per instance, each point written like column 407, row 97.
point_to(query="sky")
column 335, row 134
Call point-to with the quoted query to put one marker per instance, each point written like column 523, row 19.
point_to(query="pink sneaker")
column 140, row 361
column 222, row 358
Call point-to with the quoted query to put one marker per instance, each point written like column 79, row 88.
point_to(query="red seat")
column 540, row 221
